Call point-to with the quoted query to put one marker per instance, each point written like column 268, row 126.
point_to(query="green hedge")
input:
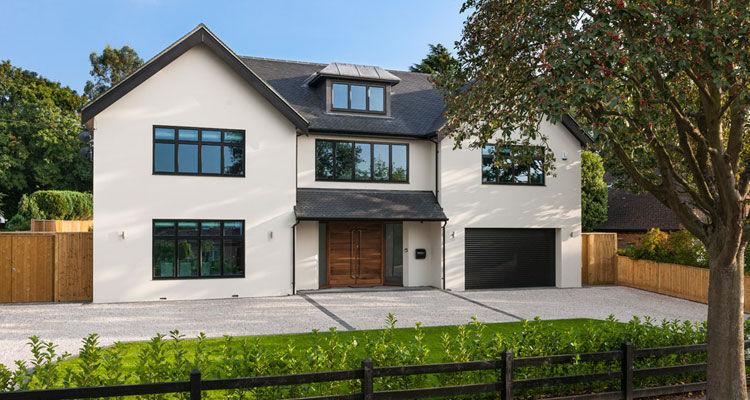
column 679, row 247
column 52, row 204
column 170, row 358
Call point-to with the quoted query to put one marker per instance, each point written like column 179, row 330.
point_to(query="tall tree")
column 664, row 87
column 112, row 66
column 39, row 125
column 437, row 60
column 593, row 191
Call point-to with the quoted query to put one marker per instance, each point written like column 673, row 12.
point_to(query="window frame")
column 199, row 238
column 528, row 167
column 367, row 86
column 222, row 144
column 354, row 163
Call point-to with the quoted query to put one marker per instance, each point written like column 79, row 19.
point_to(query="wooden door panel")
column 33, row 258
column 371, row 262
column 355, row 253
column 6, row 245
column 339, row 256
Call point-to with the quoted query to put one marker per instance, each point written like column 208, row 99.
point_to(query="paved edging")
column 327, row 312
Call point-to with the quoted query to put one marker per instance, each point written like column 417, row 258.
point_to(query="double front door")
column 355, row 253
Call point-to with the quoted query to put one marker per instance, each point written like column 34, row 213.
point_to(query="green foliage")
column 109, row 68
column 171, row 358
column 593, row 191
column 39, row 125
column 51, row 204
column 677, row 248
column 439, row 59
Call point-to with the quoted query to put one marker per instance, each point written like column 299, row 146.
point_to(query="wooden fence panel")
column 73, row 266
column 598, row 264
column 33, row 260
column 48, row 267
column 58, row 225
column 6, row 246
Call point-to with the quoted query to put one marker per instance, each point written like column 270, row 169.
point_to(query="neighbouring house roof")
column 348, row 204
column 636, row 212
column 416, row 105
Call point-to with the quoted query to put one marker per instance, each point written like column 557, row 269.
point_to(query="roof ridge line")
column 282, row 60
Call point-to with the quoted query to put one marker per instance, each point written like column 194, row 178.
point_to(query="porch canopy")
column 371, row 205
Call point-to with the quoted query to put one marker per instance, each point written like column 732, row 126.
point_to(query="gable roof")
column 416, row 105
column 199, row 35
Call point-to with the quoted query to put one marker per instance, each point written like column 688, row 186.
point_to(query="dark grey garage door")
column 506, row 258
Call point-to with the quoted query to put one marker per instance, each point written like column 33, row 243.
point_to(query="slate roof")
column 347, row 204
column 628, row 212
column 416, row 106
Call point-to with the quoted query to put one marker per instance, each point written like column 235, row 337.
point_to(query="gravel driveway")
column 66, row 323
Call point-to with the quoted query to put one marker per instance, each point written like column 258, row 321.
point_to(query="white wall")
column 470, row 204
column 306, row 254
column 428, row 271
column 200, row 90
column 421, row 165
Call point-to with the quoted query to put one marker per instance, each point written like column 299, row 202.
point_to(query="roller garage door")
column 507, row 258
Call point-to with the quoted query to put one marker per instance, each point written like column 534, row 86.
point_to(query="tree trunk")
column 726, row 323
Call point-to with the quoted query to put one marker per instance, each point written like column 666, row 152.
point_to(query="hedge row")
column 171, row 358
column 52, row 204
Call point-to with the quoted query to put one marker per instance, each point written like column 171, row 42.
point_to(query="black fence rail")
column 505, row 385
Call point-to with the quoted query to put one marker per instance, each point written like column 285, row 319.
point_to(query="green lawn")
column 303, row 341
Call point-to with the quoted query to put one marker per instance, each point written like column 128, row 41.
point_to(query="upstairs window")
column 518, row 172
column 358, row 97
column 361, row 161
column 198, row 151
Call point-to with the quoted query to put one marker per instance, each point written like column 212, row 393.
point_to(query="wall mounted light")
column 453, row 235
column 122, row 235
column 270, row 235
column 565, row 156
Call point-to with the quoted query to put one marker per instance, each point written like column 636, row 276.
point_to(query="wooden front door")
column 355, row 254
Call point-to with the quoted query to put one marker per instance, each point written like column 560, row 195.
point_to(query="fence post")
column 627, row 371
column 195, row 385
column 507, row 393
column 367, row 392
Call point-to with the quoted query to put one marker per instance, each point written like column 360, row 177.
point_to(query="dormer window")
column 355, row 97
column 351, row 88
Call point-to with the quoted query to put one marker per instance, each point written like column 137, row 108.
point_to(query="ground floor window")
column 394, row 254
column 184, row 249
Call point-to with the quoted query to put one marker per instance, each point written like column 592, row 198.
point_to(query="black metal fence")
column 505, row 386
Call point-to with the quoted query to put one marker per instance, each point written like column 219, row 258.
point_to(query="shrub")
column 170, row 358
column 679, row 247
column 51, row 204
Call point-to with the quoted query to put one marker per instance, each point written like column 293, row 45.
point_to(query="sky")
column 55, row 38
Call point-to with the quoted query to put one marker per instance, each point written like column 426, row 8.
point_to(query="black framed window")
column 190, row 249
column 359, row 97
column 350, row 161
column 198, row 151
column 530, row 171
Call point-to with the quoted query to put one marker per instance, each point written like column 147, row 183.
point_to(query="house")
column 631, row 215
column 224, row 176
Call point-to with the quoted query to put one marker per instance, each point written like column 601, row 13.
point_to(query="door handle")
column 359, row 255
column 13, row 269
column 351, row 255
